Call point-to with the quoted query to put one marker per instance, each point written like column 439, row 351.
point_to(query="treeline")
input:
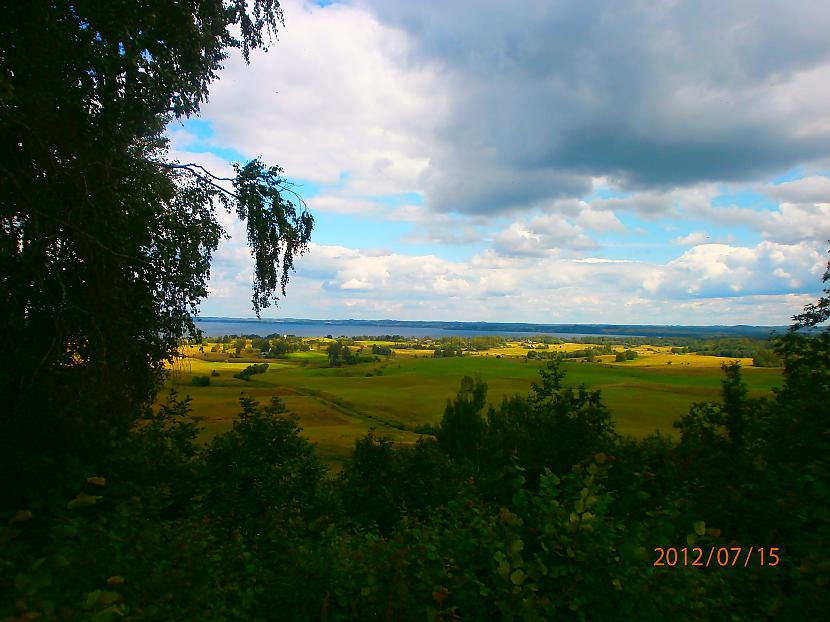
column 589, row 354
column 271, row 346
column 341, row 353
column 731, row 348
column 452, row 346
column 760, row 349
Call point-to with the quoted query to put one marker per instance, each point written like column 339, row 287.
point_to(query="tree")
column 463, row 428
column 105, row 244
column 803, row 421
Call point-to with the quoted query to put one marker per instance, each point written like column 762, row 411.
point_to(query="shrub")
column 250, row 370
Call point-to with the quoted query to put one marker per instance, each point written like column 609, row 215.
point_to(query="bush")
column 626, row 355
column 200, row 381
column 251, row 370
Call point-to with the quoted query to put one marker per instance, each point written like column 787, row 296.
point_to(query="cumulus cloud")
column 720, row 270
column 487, row 109
column 813, row 189
column 707, row 284
column 802, row 213
column 542, row 235
column 334, row 96
column 650, row 95
column 692, row 239
column 600, row 221
column 796, row 222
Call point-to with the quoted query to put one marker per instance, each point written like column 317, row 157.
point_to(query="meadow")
column 395, row 395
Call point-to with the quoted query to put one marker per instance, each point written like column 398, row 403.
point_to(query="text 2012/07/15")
column 717, row 555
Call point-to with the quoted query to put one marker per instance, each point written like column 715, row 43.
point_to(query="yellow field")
column 687, row 360
column 649, row 356
column 413, row 353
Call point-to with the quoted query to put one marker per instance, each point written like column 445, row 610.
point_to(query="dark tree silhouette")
column 105, row 244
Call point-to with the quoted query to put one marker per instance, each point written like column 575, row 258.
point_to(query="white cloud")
column 719, row 270
column 600, row 221
column 692, row 239
column 813, row 189
column 797, row 222
column 542, row 235
column 333, row 96
column 711, row 283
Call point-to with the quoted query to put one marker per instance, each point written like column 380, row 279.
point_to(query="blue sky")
column 577, row 162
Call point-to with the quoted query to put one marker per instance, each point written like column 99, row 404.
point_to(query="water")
column 218, row 328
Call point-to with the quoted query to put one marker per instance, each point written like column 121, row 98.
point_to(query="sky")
column 593, row 161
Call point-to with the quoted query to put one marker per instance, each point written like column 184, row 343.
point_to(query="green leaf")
column 107, row 598
column 517, row 577
column 92, row 599
column 516, row 546
column 700, row 527
column 83, row 500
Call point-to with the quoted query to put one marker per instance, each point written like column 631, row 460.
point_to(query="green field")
column 337, row 405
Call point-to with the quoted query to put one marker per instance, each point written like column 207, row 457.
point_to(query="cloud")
column 600, row 221
column 802, row 214
column 541, row 100
column 720, row 270
column 814, row 189
column 540, row 236
column 692, row 239
column 796, row 222
column 707, row 284
column 551, row 98
column 334, row 95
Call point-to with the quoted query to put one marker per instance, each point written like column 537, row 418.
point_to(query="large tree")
column 105, row 243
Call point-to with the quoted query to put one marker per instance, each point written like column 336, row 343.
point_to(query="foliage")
column 251, row 370
column 446, row 351
column 105, row 244
column 381, row 350
column 262, row 471
column 340, row 353
column 767, row 357
column 531, row 511
column 626, row 355
column 462, row 431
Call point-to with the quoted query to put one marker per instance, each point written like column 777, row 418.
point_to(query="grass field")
column 337, row 405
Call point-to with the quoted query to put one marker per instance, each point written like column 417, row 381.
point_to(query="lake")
column 231, row 326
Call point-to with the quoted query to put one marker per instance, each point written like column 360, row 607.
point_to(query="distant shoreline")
column 610, row 330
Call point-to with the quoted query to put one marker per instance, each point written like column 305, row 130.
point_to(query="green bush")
column 251, row 370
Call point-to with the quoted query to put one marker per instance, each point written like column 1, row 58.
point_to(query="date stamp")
column 717, row 556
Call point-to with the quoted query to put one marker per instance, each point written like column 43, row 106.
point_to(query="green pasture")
column 337, row 405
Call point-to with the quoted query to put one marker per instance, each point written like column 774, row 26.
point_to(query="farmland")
column 394, row 395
